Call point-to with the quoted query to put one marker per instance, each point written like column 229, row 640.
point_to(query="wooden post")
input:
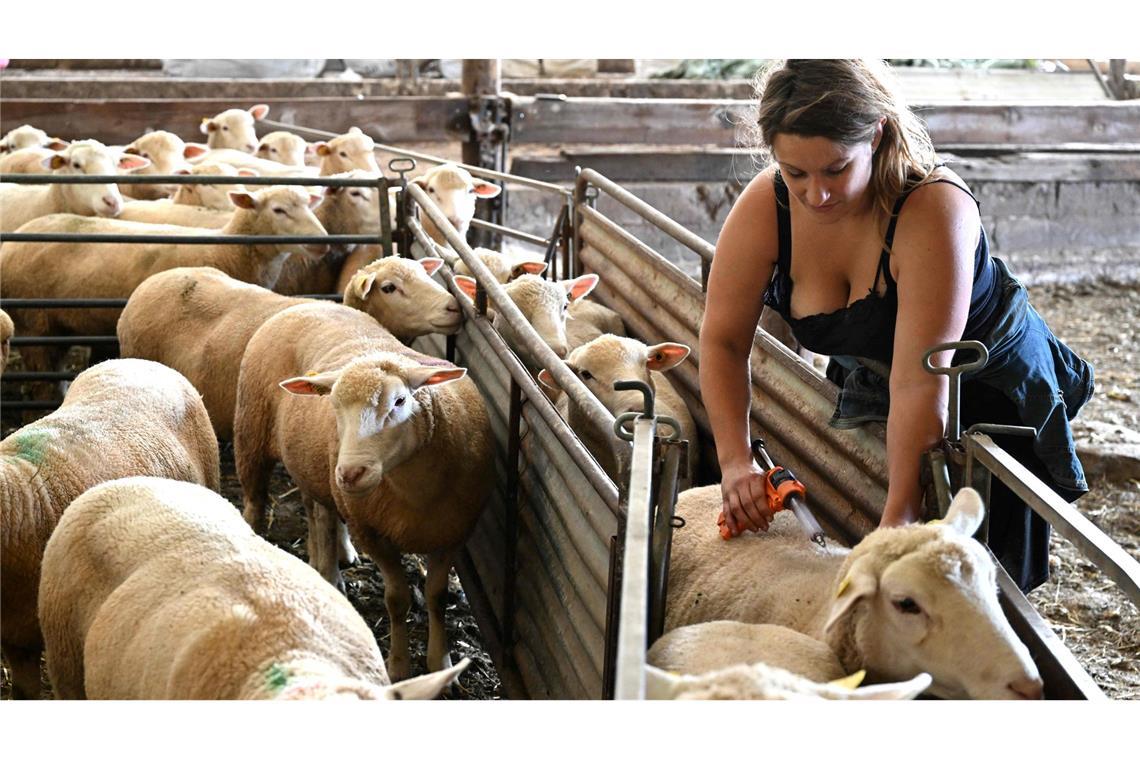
column 486, row 146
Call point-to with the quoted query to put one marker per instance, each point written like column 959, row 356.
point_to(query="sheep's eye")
column 585, row 374
column 343, row 154
column 280, row 211
column 470, row 191
column 400, row 401
column 227, row 129
column 356, row 194
column 146, row 155
column 76, row 165
column 387, row 288
column 431, row 191
column 907, row 606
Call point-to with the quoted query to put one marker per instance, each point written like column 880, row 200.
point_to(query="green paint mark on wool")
column 277, row 677
column 32, row 445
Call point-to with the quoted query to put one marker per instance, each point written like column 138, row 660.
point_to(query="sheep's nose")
column 1027, row 688
column 112, row 203
column 350, row 476
column 251, row 148
column 559, row 350
column 456, row 222
column 454, row 307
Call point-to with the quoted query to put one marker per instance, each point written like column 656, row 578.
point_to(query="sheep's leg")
column 253, row 470
column 397, row 598
column 324, row 527
column 25, row 665
column 346, row 552
column 435, row 594
column 65, row 669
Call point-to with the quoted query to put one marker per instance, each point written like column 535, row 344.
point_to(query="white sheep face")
column 233, row 128
column 403, row 297
column 281, row 211
column 352, row 210
column 352, row 150
column 167, row 154
column 284, row 148
column 612, row 358
column 211, row 196
column 91, row 157
column 505, row 266
column 929, row 604
column 377, row 405
column 27, row 136
column 455, row 192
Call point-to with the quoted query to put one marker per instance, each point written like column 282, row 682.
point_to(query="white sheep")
column 284, row 148
column 455, row 191
column 166, row 211
column 7, row 330
column 588, row 320
column 543, row 303
column 233, row 128
column 27, row 160
column 121, row 417
column 610, row 358
column 211, row 196
column 199, row 320
column 167, row 154
column 27, row 136
column 157, row 589
column 20, row 204
column 505, row 266
column 401, row 448
column 111, row 270
column 920, row 598
column 262, row 166
column 761, row 681
column 352, row 150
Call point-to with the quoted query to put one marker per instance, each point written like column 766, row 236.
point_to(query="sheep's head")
column 233, row 128
column 284, row 148
column 403, row 297
column 378, row 401
column 761, row 681
column 455, row 191
column 92, row 157
column 279, row 211
column 505, row 266
column 924, row 598
column 610, row 358
column 351, row 210
column 27, row 136
column 167, row 154
column 352, row 150
column 211, row 196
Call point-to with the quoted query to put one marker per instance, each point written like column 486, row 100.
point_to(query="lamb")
column 352, row 150
column 167, row 155
column 455, row 191
column 23, row 203
column 610, row 358
column 543, row 303
column 165, row 211
column 211, row 196
column 403, row 451
column 761, row 681
column 262, row 166
column 588, row 320
column 7, row 330
column 27, row 136
column 27, row 160
column 30, row 270
column 121, row 417
column 284, row 148
column 505, row 266
column 199, row 320
column 233, row 128
column 157, row 589
column 883, row 606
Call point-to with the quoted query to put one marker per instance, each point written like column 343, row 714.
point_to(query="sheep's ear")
column 859, row 583
column 427, row 686
column 431, row 264
column 247, row 173
column 322, row 148
column 131, row 149
column 129, row 162
column 315, row 199
column 425, row 375
column 243, row 200
column 184, row 172
column 661, row 684
column 665, row 356
column 547, row 379
column 900, row 690
column 57, row 144
column 421, row 180
column 580, row 287
column 311, row 148
column 966, row 512
column 354, row 130
column 193, row 150
column 55, row 161
column 467, row 285
column 311, row 385
column 259, row 111
column 528, row 267
column 208, row 126
column 362, row 283
column 486, row 189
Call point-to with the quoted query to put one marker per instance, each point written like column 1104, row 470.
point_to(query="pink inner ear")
column 193, row 150
column 243, row 200
column 301, row 387
column 487, row 190
column 547, row 379
column 430, row 265
column 314, row 200
column 444, row 376
column 259, row 111
column 582, row 286
column 132, row 162
column 533, row 267
column 666, row 355
column 322, row 148
column 466, row 284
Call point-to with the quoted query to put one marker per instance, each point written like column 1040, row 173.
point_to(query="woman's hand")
column 745, row 505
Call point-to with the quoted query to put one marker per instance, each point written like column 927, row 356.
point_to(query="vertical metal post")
column 489, row 135
column 385, row 216
column 511, row 520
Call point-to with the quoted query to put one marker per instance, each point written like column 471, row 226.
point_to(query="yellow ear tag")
column 851, row 681
column 311, row 373
column 843, row 586
column 936, row 521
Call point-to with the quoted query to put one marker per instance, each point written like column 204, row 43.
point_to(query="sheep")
column 505, row 266
column 543, row 303
column 352, row 150
column 198, row 320
column 31, row 270
column 719, row 644
column 23, row 203
column 610, row 358
column 284, row 148
column 263, row 166
column 403, row 452
column 27, row 160
column 167, row 155
column 588, row 320
column 165, row 211
column 7, row 330
column 233, row 128
column 211, row 196
column 904, row 600
column 27, row 136
column 761, row 681
column 157, row 589
column 121, row 417
column 455, row 191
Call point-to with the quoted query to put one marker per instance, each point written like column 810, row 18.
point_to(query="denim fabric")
column 1040, row 375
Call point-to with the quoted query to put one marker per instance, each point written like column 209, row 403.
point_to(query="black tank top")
column 867, row 327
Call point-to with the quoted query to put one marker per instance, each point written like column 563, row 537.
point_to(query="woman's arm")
column 934, row 253
column 746, row 252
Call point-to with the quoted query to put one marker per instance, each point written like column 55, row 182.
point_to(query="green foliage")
column 712, row 68
column 966, row 63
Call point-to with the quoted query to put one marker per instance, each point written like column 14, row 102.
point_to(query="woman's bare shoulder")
column 751, row 224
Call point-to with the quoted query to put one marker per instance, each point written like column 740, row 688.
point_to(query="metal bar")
column 681, row 234
column 663, row 537
column 65, row 340
column 633, row 629
column 184, row 179
column 61, row 237
column 19, row 377
column 54, row 303
column 609, row 672
column 30, row 405
column 510, row 232
column 510, row 558
column 1105, row 553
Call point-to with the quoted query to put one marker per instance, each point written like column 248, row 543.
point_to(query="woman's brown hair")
column 843, row 100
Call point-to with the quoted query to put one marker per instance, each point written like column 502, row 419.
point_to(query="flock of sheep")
column 122, row 564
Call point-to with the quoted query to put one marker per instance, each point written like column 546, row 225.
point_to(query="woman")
column 873, row 253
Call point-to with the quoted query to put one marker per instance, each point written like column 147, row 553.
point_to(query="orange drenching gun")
column 784, row 491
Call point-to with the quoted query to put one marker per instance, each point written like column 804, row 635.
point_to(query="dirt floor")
column 1102, row 628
